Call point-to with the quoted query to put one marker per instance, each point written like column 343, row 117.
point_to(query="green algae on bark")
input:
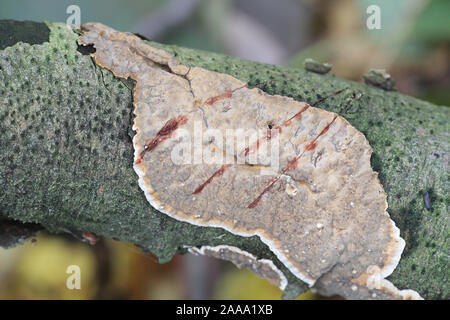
column 67, row 156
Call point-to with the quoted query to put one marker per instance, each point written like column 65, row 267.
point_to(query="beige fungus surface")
column 323, row 212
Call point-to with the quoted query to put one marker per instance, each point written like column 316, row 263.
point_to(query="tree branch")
column 67, row 156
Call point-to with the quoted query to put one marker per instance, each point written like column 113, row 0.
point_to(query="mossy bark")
column 67, row 156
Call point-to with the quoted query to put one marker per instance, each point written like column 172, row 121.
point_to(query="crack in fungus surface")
column 327, row 221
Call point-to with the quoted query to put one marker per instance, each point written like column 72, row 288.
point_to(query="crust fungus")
column 321, row 209
column 263, row 268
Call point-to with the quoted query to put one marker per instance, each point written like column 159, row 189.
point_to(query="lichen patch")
column 323, row 178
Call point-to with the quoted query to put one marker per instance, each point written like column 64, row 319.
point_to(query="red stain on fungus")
column 256, row 201
column 297, row 116
column 165, row 133
column 273, row 132
column 293, row 163
column 311, row 146
column 269, row 135
column 216, row 174
column 324, row 130
column 225, row 95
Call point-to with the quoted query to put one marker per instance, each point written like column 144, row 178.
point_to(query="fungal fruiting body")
column 322, row 177
column 263, row 268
